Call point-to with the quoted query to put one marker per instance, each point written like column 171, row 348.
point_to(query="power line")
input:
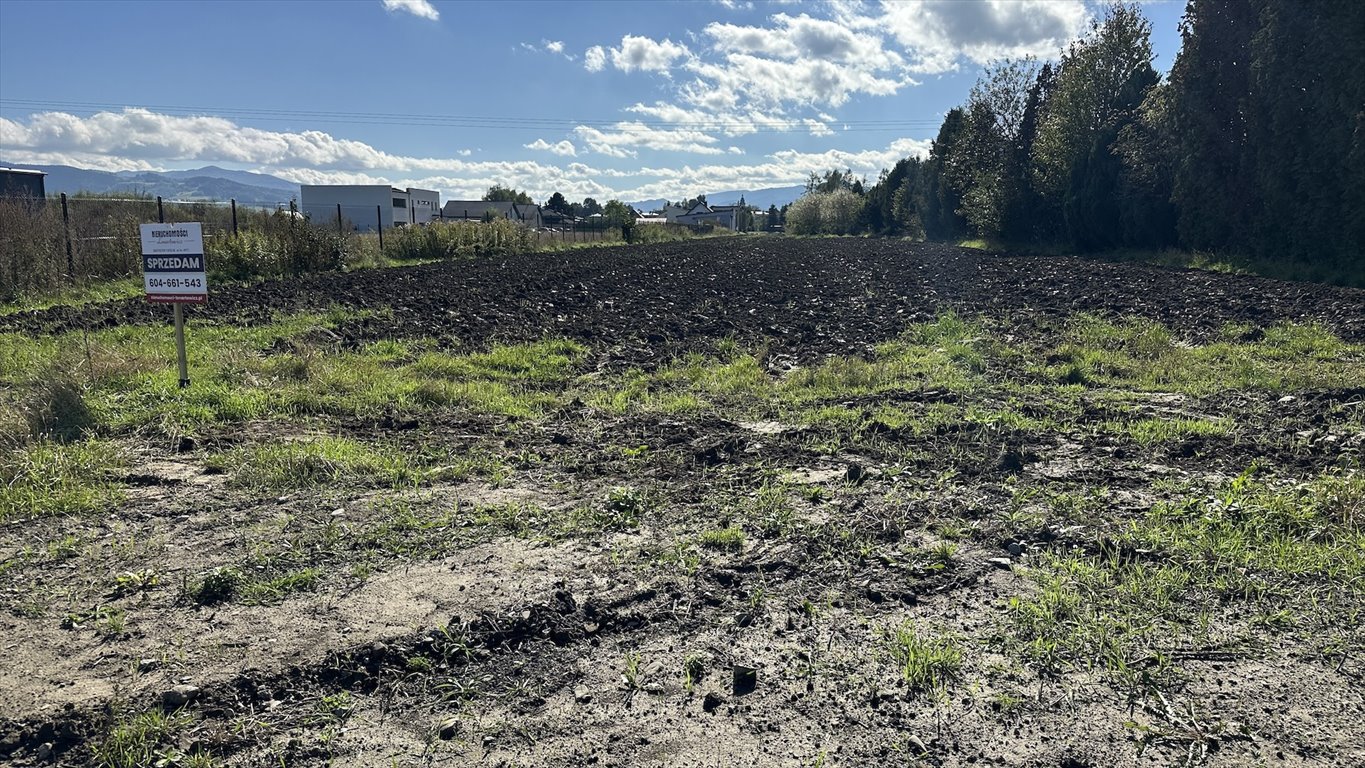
column 766, row 125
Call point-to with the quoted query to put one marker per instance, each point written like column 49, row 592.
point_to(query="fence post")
column 293, row 241
column 66, row 227
column 234, row 217
column 341, row 230
column 160, row 211
column 379, row 224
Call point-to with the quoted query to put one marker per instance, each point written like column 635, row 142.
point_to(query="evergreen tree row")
column 1254, row 144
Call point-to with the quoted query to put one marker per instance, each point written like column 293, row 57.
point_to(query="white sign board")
column 173, row 263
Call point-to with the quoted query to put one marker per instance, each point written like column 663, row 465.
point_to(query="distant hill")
column 208, row 183
column 759, row 198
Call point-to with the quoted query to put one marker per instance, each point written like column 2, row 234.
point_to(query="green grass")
column 950, row 353
column 1144, row 356
column 146, row 738
column 315, row 462
column 1252, row 554
column 56, row 479
column 728, row 539
column 1150, row 432
column 926, row 663
column 284, row 369
column 270, row 590
column 92, row 293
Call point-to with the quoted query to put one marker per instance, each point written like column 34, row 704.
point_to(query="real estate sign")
column 173, row 263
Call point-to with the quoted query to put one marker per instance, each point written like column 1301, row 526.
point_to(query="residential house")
column 702, row 214
column 528, row 214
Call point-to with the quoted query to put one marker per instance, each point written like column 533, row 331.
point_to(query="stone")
column 1015, row 549
column 448, row 728
column 44, row 751
column 745, row 679
column 179, row 696
column 1003, row 563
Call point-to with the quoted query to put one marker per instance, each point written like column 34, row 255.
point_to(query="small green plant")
column 728, row 539
column 620, row 510
column 131, row 582
column 630, row 676
column 136, row 742
column 218, row 586
column 926, row 663
column 694, row 667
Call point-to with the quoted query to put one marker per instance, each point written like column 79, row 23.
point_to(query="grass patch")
column 147, row 739
column 92, row 293
column 1143, row 355
column 314, row 462
column 54, row 479
column 290, row 368
column 1150, row 432
column 1252, row 555
column 727, row 539
column 927, row 664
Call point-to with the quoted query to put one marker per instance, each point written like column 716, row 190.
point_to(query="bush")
column 32, row 253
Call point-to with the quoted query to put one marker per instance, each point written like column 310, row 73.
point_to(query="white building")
column 365, row 207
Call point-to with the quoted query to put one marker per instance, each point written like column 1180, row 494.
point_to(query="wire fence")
column 47, row 244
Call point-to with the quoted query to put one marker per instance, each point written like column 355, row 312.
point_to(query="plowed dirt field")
column 751, row 500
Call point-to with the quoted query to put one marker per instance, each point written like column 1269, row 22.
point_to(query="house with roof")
column 528, row 214
column 701, row 214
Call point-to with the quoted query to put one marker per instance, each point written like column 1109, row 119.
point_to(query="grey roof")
column 474, row 209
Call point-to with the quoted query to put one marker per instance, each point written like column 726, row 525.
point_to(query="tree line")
column 1254, row 144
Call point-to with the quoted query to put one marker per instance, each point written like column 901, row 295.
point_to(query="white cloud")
column 626, row 137
column 565, row 147
column 554, row 46
column 644, row 54
column 138, row 139
column 595, row 59
column 817, row 128
column 419, row 8
column 937, row 33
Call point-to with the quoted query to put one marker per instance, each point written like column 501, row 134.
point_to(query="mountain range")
column 208, row 183
column 261, row 189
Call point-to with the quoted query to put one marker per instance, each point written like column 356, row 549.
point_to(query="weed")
column 728, row 539
column 694, row 668
column 137, row 741
column 279, row 587
column 926, row 663
column 54, row 479
column 315, row 462
column 630, row 676
column 219, row 586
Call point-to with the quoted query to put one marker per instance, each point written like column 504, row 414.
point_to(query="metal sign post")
column 173, row 273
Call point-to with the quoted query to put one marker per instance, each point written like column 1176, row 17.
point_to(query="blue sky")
column 633, row 100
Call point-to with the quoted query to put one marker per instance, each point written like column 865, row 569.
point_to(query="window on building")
column 399, row 202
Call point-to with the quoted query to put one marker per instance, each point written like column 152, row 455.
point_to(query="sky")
column 629, row 100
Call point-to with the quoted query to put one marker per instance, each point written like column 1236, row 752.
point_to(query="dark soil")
column 576, row 651
column 808, row 297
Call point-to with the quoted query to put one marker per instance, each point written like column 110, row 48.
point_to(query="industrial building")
column 367, row 207
column 20, row 182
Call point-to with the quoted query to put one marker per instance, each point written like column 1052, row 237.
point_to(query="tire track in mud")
column 556, row 629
